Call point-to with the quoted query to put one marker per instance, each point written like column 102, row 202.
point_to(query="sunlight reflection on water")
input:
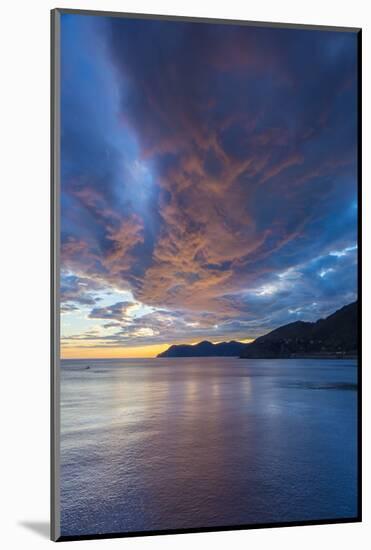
column 170, row 444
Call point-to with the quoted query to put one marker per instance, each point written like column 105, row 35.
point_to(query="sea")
column 179, row 443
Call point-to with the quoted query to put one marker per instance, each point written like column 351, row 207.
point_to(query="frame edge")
column 54, row 282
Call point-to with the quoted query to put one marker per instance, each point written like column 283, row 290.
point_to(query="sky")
column 208, row 181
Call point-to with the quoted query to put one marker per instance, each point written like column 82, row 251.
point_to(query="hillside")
column 205, row 349
column 335, row 335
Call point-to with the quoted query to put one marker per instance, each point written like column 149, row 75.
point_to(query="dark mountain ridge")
column 205, row 349
column 335, row 335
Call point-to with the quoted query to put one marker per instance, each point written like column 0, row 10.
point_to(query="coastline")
column 308, row 356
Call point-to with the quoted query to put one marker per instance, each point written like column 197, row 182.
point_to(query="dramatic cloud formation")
column 208, row 179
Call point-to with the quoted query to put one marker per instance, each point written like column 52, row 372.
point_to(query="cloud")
column 124, row 239
column 78, row 291
column 118, row 311
column 208, row 161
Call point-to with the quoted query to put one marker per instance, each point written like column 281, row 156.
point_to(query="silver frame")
column 55, row 277
column 55, row 269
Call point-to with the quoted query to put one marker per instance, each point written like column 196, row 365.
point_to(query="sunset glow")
column 192, row 207
column 94, row 352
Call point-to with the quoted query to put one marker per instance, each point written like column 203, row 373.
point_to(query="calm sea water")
column 202, row 442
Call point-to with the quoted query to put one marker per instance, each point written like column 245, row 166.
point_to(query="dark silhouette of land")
column 205, row 349
column 334, row 336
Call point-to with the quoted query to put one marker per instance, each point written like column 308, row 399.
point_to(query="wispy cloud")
column 212, row 175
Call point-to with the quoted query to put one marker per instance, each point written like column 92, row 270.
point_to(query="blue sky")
column 209, row 181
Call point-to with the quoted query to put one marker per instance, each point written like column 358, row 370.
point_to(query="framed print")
column 206, row 275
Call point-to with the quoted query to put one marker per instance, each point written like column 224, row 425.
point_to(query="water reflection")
column 161, row 444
